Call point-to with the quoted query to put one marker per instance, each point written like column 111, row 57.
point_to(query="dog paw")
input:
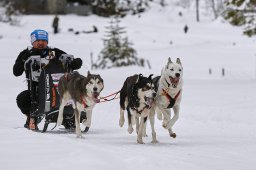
column 121, row 122
column 86, row 129
column 79, row 136
column 140, row 141
column 173, row 135
column 130, row 130
column 154, row 141
column 164, row 125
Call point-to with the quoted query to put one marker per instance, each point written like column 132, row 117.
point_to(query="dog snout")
column 95, row 89
column 177, row 74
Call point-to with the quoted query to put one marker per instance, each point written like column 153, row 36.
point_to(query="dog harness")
column 170, row 99
column 139, row 112
column 83, row 101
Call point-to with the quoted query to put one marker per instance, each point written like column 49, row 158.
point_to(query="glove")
column 42, row 52
column 76, row 63
column 35, row 51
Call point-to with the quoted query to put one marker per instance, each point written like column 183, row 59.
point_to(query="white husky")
column 169, row 91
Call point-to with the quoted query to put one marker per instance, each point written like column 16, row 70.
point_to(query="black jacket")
column 18, row 67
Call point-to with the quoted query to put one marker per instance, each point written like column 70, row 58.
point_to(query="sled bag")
column 48, row 94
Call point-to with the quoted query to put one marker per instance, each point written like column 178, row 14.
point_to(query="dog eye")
column 146, row 88
column 91, row 82
column 179, row 69
column 98, row 82
column 172, row 69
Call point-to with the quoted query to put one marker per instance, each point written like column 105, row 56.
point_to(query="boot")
column 26, row 125
column 32, row 124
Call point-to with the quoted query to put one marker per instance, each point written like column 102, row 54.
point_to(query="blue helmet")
column 38, row 35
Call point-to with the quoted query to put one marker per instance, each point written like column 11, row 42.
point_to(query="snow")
column 216, row 128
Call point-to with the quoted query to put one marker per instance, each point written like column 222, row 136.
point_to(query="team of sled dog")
column 140, row 96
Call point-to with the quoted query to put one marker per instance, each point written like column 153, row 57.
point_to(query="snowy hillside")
column 216, row 129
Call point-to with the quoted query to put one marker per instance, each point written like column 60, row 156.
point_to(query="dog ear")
column 138, row 79
column 178, row 61
column 88, row 73
column 150, row 76
column 169, row 60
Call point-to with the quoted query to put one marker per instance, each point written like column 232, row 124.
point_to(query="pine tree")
column 117, row 51
column 242, row 13
column 9, row 13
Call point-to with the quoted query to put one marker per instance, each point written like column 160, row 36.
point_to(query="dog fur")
column 136, row 96
column 169, row 92
column 83, row 92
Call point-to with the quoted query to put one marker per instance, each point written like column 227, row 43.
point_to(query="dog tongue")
column 150, row 101
column 96, row 100
column 95, row 97
column 174, row 81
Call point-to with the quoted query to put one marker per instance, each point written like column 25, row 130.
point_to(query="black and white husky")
column 136, row 96
column 169, row 90
column 83, row 93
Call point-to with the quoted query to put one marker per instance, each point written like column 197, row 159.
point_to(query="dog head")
column 94, row 85
column 145, row 90
column 173, row 72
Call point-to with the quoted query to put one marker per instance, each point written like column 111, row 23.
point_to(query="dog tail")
column 61, row 86
column 159, row 114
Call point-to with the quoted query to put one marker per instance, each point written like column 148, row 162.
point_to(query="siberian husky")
column 136, row 96
column 83, row 92
column 169, row 91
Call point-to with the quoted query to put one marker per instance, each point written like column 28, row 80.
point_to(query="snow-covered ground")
column 216, row 129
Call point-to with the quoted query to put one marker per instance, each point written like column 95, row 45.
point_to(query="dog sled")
column 44, row 77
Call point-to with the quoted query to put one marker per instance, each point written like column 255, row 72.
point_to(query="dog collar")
column 168, row 84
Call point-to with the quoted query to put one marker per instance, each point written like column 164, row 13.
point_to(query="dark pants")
column 55, row 30
column 24, row 102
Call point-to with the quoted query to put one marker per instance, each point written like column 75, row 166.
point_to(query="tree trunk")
column 197, row 10
column 214, row 9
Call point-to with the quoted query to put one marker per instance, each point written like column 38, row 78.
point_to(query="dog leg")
column 144, row 132
column 159, row 113
column 139, row 135
column 88, row 121
column 130, row 128
column 166, row 118
column 121, row 119
column 170, row 123
column 60, row 115
column 166, row 114
column 137, row 123
column 77, row 121
column 152, row 123
column 133, row 119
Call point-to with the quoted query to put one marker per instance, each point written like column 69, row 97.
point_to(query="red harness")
column 140, row 111
column 83, row 102
column 169, row 97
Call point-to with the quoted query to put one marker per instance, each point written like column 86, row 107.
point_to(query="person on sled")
column 39, row 41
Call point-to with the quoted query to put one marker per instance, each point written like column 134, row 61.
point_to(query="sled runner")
column 44, row 77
